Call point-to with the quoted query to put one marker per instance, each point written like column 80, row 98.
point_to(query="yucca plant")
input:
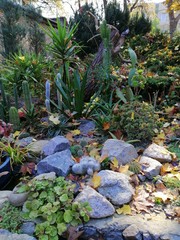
column 63, row 46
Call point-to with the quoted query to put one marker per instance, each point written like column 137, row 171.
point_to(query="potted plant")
column 11, row 158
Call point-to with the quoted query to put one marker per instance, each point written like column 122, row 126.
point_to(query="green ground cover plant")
column 53, row 202
column 10, row 218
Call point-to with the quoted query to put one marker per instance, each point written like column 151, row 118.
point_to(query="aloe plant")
column 129, row 95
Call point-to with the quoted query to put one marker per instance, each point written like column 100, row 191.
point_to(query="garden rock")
column 24, row 141
column 115, row 187
column 113, row 235
column 6, row 235
column 147, row 236
column 4, row 197
column 101, row 207
column 56, row 144
column 150, row 167
column 86, row 126
column 159, row 153
column 132, row 233
column 36, row 147
column 17, row 199
column 87, row 165
column 124, row 152
column 28, row 228
column 60, row 163
column 46, row 176
column 89, row 233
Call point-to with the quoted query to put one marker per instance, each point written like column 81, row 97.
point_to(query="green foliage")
column 14, row 118
column 137, row 120
column 86, row 29
column 63, row 46
column 53, row 202
column 12, row 29
column 17, row 154
column 139, row 24
column 171, row 182
column 26, row 66
column 72, row 94
column 117, row 17
column 10, row 218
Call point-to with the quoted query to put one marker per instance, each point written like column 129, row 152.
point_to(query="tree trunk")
column 173, row 21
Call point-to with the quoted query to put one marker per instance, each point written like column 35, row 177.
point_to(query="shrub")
column 10, row 218
column 137, row 120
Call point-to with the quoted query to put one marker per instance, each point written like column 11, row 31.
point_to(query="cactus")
column 14, row 118
column 105, row 35
column 3, row 94
column 27, row 96
column 15, row 95
column 47, row 101
column 59, row 95
column 2, row 117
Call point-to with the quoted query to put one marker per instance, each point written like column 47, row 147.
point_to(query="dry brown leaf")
column 167, row 167
column 106, row 126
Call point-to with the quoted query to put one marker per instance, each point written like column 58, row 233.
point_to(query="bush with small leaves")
column 53, row 202
column 137, row 120
column 10, row 218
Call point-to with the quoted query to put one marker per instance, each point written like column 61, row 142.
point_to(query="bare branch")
column 134, row 5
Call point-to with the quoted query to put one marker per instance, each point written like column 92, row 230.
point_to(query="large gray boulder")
column 56, row 144
column 124, row 152
column 115, row 187
column 101, row 207
column 150, row 167
column 60, row 163
column 159, row 153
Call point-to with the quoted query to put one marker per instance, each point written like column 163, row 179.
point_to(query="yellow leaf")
column 16, row 134
column 115, row 163
column 126, row 210
column 123, row 169
column 94, row 152
column 96, row 180
column 76, row 132
column 55, row 120
column 132, row 115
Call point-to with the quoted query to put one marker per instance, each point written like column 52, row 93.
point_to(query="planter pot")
column 5, row 167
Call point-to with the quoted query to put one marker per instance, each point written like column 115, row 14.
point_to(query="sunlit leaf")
column 55, row 120
column 76, row 132
column 126, row 210
column 115, row 163
column 96, row 180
